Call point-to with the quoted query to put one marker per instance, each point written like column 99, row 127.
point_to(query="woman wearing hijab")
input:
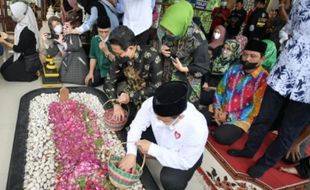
column 270, row 55
column 217, row 41
column 26, row 43
column 230, row 54
column 184, row 47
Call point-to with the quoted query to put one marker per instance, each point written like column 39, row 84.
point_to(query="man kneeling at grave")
column 174, row 132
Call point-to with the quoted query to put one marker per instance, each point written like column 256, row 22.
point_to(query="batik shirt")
column 240, row 94
column 143, row 75
column 291, row 75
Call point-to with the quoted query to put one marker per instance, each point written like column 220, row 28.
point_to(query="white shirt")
column 138, row 15
column 179, row 146
column 290, row 77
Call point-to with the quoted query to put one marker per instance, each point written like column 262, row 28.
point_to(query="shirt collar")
column 257, row 71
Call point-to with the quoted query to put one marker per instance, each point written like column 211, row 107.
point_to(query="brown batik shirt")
column 143, row 75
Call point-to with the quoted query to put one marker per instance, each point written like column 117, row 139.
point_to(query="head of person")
column 270, row 55
column 72, row 20
column 176, row 20
column 19, row 10
column 169, row 101
column 219, row 33
column 223, row 3
column 239, row 5
column 123, row 43
column 253, row 55
column 55, row 25
column 231, row 50
column 260, row 3
column 104, row 28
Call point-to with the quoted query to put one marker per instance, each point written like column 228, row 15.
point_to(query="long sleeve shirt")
column 290, row 76
column 240, row 94
column 143, row 75
column 178, row 146
column 90, row 21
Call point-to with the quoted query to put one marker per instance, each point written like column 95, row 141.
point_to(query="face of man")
column 127, row 54
column 103, row 33
column 239, row 6
column 251, row 59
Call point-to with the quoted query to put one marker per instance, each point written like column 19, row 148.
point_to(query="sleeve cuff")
column 131, row 149
column 154, row 150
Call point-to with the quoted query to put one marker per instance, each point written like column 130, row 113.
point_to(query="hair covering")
column 243, row 40
column 177, row 18
column 270, row 55
column 24, row 17
column 170, row 99
column 104, row 22
column 256, row 45
column 219, row 42
column 221, row 64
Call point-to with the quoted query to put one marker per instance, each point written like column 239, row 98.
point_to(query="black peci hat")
column 256, row 45
column 170, row 99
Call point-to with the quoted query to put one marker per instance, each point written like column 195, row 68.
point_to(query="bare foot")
column 290, row 170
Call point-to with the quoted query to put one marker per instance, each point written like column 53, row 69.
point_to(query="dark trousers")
column 15, row 71
column 296, row 117
column 97, row 79
column 303, row 168
column 143, row 38
column 170, row 178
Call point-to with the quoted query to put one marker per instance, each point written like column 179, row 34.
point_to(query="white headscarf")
column 24, row 16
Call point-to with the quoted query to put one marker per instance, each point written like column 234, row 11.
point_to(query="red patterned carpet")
column 236, row 168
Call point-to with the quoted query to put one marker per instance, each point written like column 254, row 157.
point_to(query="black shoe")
column 240, row 153
column 257, row 171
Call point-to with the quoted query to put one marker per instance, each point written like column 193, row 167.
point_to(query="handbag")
column 32, row 62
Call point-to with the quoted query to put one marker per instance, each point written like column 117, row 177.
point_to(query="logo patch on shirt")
column 177, row 135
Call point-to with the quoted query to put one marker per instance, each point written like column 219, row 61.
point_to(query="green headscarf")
column 270, row 55
column 177, row 18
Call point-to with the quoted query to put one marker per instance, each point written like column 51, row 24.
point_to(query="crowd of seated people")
column 252, row 73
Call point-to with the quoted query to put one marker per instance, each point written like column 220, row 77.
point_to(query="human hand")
column 118, row 112
column 128, row 162
column 143, row 146
column 103, row 46
column 123, row 98
column 165, row 50
column 207, row 88
column 44, row 36
column 294, row 152
column 89, row 76
column 111, row 57
column 60, row 39
column 179, row 66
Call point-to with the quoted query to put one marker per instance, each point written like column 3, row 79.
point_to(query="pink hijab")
column 219, row 42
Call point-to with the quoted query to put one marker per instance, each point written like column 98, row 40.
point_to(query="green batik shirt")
column 102, row 62
column 143, row 75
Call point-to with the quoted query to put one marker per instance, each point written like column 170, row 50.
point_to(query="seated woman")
column 73, row 68
column 217, row 41
column 26, row 41
column 230, row 54
column 184, row 48
column 52, row 47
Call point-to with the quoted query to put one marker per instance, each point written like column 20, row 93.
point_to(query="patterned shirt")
column 240, row 94
column 143, row 75
column 291, row 75
column 102, row 62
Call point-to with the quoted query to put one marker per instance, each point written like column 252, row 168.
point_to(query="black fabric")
column 170, row 99
column 256, row 24
column 15, row 71
column 227, row 134
column 303, row 168
column 97, row 79
column 18, row 157
column 174, row 179
column 66, row 5
column 256, row 45
column 103, row 21
column 235, row 22
column 27, row 42
column 207, row 97
column 143, row 38
column 32, row 62
column 201, row 63
column 296, row 117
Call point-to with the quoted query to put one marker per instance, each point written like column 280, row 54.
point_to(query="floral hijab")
column 221, row 64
